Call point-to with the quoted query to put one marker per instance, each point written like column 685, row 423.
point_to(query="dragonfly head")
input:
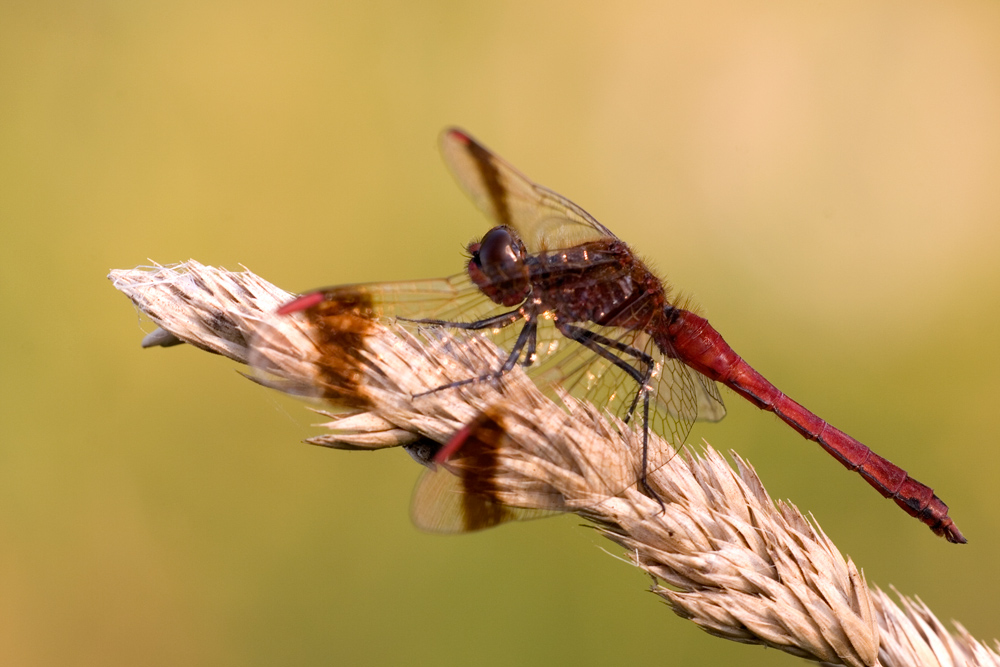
column 497, row 266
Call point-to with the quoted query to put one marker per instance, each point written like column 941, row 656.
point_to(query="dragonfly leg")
column 645, row 454
column 527, row 337
column 599, row 344
column 496, row 322
column 530, row 348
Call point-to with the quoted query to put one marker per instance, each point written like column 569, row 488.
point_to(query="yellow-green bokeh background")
column 823, row 178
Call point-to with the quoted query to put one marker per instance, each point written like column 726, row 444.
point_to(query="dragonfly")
column 570, row 302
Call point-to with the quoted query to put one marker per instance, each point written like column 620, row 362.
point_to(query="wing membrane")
column 342, row 316
column 442, row 504
column 459, row 496
column 543, row 219
column 455, row 299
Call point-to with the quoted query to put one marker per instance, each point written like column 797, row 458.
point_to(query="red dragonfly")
column 569, row 301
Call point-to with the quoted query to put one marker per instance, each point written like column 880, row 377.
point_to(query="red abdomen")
column 695, row 342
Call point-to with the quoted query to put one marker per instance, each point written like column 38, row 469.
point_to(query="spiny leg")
column 530, row 348
column 526, row 337
column 641, row 356
column 496, row 322
column 598, row 343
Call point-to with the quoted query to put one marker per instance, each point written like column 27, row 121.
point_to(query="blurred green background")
column 823, row 178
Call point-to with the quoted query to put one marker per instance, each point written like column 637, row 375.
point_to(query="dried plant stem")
column 721, row 552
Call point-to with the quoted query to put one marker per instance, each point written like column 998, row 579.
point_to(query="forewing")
column 342, row 316
column 543, row 219
column 455, row 299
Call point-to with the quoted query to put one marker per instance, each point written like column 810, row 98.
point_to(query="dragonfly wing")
column 542, row 218
column 454, row 298
column 710, row 405
column 462, row 495
column 442, row 504
column 342, row 316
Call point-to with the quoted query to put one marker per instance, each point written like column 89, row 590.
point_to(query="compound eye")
column 499, row 267
column 498, row 253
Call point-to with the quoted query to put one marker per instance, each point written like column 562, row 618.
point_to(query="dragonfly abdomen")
column 916, row 499
column 695, row 342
